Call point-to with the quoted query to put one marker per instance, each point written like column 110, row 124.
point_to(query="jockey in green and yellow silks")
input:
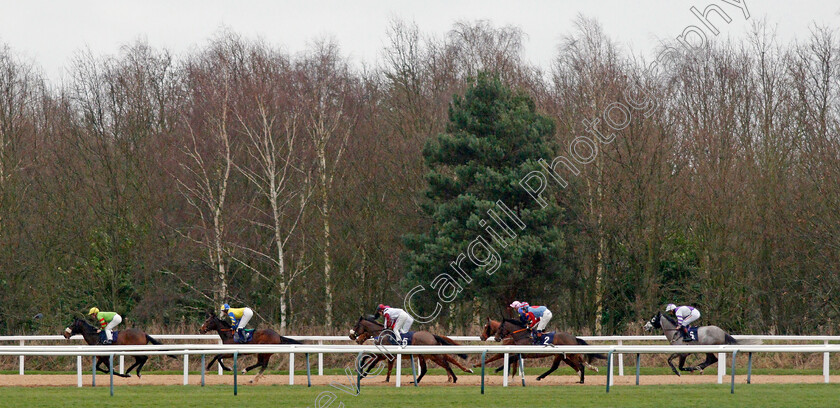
column 105, row 321
column 239, row 318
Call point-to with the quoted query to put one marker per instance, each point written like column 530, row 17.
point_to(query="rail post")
column 235, row 357
column 749, row 368
column 202, row 370
column 620, row 361
column 721, row 367
column 292, row 368
column 413, row 370
column 219, row 362
column 505, row 370
column 21, row 358
column 826, row 364
column 320, row 360
column 186, row 369
column 638, row 366
column 111, row 372
column 122, row 364
column 79, row 371
column 483, row 357
column 93, row 377
column 308, row 372
column 734, row 353
column 609, row 371
column 522, row 369
column 399, row 370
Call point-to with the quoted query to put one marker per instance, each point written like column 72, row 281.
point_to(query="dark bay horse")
column 262, row 336
column 706, row 336
column 127, row 337
column 368, row 327
column 516, row 333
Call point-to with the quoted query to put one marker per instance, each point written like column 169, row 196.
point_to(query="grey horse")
column 706, row 336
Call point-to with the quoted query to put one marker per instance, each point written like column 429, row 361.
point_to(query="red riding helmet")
column 382, row 307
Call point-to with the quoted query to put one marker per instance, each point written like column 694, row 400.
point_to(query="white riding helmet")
column 670, row 307
column 516, row 304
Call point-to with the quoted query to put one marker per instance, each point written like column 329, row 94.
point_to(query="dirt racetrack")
column 463, row 380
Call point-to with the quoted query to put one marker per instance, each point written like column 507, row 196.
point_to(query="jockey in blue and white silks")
column 685, row 315
column 536, row 317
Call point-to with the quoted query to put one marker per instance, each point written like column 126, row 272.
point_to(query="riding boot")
column 241, row 334
column 686, row 336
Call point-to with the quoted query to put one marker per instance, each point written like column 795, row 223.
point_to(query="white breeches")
column 247, row 314
column 546, row 317
column 403, row 325
column 110, row 327
column 695, row 314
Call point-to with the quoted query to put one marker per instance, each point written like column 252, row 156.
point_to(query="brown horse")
column 367, row 327
column 127, row 337
column 516, row 333
column 263, row 336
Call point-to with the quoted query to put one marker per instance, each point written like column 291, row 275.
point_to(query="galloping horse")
column 515, row 332
column 127, row 337
column 367, row 327
column 706, row 336
column 262, row 336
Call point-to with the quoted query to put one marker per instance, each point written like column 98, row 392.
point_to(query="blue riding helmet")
column 225, row 307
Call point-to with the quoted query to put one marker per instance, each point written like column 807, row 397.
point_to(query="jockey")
column 238, row 318
column 396, row 319
column 685, row 315
column 536, row 317
column 106, row 321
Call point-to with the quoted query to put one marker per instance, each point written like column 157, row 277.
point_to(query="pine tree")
column 493, row 140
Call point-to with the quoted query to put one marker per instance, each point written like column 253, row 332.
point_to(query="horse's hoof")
column 470, row 371
column 251, row 382
column 539, row 378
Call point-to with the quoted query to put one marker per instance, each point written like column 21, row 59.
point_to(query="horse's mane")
column 665, row 315
column 372, row 320
column 515, row 322
column 88, row 328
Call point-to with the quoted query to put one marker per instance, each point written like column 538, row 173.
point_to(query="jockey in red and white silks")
column 396, row 319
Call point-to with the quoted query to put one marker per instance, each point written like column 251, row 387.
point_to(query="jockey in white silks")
column 396, row 319
column 685, row 315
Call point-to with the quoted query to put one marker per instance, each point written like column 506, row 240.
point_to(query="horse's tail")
column 286, row 340
column 731, row 340
column 446, row 341
column 152, row 340
column 590, row 357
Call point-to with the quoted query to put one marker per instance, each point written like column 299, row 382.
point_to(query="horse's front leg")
column 671, row 363
column 682, row 364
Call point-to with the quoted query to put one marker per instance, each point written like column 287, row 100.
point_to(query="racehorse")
column 515, row 332
column 367, row 327
column 706, row 336
column 127, row 337
column 262, row 336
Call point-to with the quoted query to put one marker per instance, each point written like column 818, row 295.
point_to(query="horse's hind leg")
column 576, row 362
column 459, row 365
column 133, row 366
column 441, row 361
column 710, row 359
column 682, row 364
column 139, row 361
column 422, row 368
column 554, row 365
column 262, row 362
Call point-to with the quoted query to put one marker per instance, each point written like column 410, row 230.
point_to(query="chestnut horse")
column 367, row 327
column 127, row 337
column 515, row 332
column 262, row 336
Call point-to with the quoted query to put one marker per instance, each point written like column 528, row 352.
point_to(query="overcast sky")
column 51, row 34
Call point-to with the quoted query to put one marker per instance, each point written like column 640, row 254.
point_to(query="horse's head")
column 77, row 327
column 502, row 331
column 213, row 323
column 489, row 330
column 365, row 328
column 654, row 322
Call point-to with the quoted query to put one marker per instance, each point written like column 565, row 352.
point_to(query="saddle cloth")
column 102, row 336
column 546, row 338
column 249, row 336
column 406, row 338
column 692, row 333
